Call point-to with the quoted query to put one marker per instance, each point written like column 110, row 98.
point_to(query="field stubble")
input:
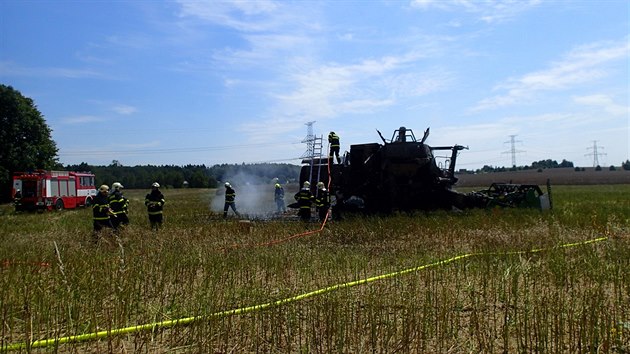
column 57, row 283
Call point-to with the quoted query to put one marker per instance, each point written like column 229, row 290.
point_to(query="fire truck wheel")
column 59, row 204
column 88, row 201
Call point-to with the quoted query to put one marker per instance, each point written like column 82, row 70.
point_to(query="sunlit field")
column 440, row 282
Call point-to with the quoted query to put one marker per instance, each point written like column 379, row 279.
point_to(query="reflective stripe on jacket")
column 118, row 202
column 304, row 198
column 333, row 139
column 100, row 207
column 154, row 202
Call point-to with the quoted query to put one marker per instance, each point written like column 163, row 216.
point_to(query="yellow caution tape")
column 188, row 320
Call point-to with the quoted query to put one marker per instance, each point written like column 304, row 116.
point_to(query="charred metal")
column 403, row 174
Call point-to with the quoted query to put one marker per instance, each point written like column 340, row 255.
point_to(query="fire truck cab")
column 48, row 190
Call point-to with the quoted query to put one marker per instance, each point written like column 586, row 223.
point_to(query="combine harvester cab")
column 47, row 190
column 402, row 174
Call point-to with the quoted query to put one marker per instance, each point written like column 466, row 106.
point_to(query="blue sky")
column 209, row 82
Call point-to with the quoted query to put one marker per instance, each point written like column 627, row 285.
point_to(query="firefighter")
column 101, row 212
column 155, row 204
column 333, row 140
column 119, row 205
column 230, row 200
column 278, row 196
column 304, row 200
column 17, row 200
column 322, row 201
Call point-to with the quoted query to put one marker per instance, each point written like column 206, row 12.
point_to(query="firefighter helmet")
column 117, row 185
column 306, row 184
column 155, row 185
column 227, row 184
column 103, row 188
column 320, row 185
column 278, row 185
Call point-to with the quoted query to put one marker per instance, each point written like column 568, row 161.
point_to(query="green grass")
column 561, row 300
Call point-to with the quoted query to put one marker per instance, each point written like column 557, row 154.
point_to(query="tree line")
column 544, row 164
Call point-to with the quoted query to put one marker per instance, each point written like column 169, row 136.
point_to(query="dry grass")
column 561, row 300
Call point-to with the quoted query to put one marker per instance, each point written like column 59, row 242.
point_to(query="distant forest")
column 540, row 165
column 201, row 176
column 193, row 176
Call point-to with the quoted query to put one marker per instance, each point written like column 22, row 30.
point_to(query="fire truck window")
column 54, row 187
column 72, row 189
column 63, row 187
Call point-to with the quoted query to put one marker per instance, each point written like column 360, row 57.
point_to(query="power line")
column 512, row 150
column 595, row 153
column 309, row 140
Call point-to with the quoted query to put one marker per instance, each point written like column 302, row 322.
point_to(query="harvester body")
column 400, row 175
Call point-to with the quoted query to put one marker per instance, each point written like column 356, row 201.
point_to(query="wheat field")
column 492, row 281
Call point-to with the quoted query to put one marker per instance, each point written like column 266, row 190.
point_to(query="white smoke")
column 254, row 196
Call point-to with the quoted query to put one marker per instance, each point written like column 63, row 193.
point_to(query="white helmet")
column 227, row 184
column 306, row 184
column 320, row 185
column 155, row 185
column 103, row 188
column 117, row 185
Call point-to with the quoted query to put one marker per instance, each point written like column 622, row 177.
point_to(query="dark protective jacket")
column 100, row 207
column 230, row 195
column 333, row 139
column 154, row 202
column 304, row 198
column 322, row 199
column 118, row 202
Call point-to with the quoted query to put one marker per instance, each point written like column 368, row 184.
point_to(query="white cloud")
column 419, row 83
column 489, row 11
column 10, row 69
column 604, row 102
column 246, row 16
column 273, row 49
column 329, row 90
column 124, row 109
column 583, row 65
column 82, row 119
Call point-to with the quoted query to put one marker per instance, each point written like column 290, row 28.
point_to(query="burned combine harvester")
column 402, row 175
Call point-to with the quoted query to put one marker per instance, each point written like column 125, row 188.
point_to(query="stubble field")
column 474, row 281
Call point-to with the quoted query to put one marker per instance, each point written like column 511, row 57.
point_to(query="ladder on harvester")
column 313, row 154
column 318, row 146
column 315, row 159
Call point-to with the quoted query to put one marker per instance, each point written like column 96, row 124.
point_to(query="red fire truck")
column 40, row 190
